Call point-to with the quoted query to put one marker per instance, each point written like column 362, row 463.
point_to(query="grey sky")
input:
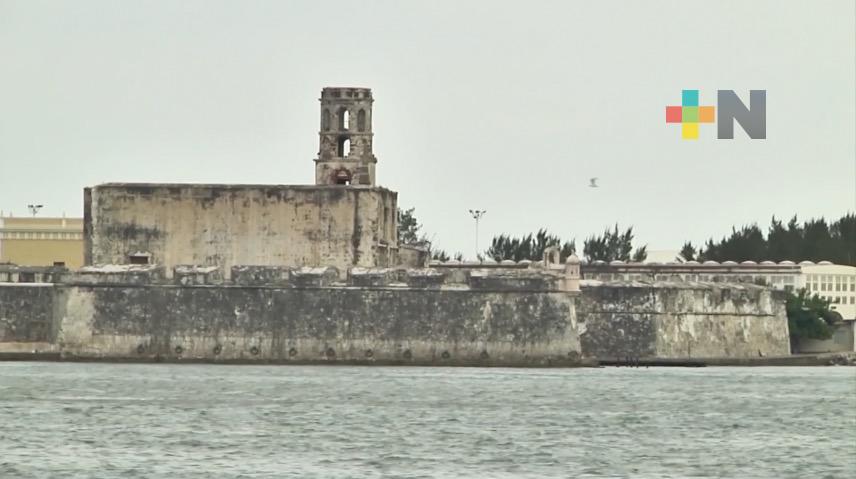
column 508, row 107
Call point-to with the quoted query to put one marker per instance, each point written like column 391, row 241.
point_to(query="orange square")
column 705, row 114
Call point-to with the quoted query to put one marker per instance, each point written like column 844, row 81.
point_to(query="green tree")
column 442, row 255
column 613, row 245
column 641, row 254
column 813, row 240
column 688, row 253
column 408, row 227
column 744, row 244
column 530, row 247
column 809, row 317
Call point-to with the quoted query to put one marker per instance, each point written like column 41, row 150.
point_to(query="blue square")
column 689, row 98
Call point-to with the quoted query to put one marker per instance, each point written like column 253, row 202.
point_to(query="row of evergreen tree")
column 813, row 240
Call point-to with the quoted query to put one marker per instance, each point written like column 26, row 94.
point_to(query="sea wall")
column 306, row 315
column 457, row 316
column 681, row 320
column 27, row 312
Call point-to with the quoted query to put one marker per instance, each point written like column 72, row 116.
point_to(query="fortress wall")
column 385, row 316
column 673, row 320
column 228, row 225
column 323, row 324
column 27, row 312
column 445, row 326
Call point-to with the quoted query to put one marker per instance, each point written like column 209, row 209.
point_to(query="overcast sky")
column 505, row 106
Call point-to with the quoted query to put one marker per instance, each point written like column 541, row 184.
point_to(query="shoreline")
column 820, row 359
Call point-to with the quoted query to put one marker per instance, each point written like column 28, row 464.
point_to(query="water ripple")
column 195, row 421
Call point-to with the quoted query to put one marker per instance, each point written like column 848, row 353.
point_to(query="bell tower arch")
column 345, row 141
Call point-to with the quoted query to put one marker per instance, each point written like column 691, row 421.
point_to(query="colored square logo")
column 690, row 114
column 673, row 114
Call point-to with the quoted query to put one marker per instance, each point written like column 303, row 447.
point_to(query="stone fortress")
column 315, row 274
column 345, row 220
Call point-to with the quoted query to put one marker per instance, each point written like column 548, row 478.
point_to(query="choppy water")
column 195, row 421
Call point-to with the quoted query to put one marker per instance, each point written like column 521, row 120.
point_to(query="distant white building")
column 833, row 282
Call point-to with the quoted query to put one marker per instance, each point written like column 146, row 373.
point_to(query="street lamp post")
column 477, row 215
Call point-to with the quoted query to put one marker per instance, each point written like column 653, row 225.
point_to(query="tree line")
column 812, row 240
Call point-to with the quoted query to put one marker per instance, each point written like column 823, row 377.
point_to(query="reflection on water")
column 189, row 421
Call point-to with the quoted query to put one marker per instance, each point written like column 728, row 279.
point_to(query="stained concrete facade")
column 681, row 320
column 457, row 315
column 304, row 315
column 227, row 225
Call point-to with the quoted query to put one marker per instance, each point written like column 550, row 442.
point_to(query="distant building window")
column 27, row 277
column 59, row 263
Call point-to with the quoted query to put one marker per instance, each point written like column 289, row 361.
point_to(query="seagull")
column 593, row 182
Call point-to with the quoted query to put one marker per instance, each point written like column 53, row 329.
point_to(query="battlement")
column 476, row 276
column 344, row 93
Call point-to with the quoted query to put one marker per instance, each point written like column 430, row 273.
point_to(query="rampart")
column 619, row 320
column 450, row 314
column 300, row 315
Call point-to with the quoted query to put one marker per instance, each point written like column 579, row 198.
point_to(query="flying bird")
column 593, row 182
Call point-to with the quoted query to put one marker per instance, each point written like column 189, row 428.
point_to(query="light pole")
column 477, row 214
column 34, row 209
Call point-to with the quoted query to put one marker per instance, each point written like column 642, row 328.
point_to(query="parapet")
column 321, row 276
column 191, row 275
column 511, row 280
column 128, row 274
column 499, row 277
column 371, row 277
column 339, row 93
column 10, row 273
column 247, row 275
column 425, row 278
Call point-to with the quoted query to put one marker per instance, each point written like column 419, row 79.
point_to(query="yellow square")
column 689, row 131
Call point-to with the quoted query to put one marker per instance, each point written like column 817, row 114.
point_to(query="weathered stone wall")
column 27, row 312
column 319, row 324
column 386, row 324
column 681, row 320
column 226, row 225
column 843, row 340
column 413, row 316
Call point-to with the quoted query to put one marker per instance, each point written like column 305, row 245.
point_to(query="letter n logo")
column 753, row 120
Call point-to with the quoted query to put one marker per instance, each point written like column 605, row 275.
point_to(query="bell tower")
column 345, row 153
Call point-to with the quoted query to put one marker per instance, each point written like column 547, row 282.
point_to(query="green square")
column 689, row 114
